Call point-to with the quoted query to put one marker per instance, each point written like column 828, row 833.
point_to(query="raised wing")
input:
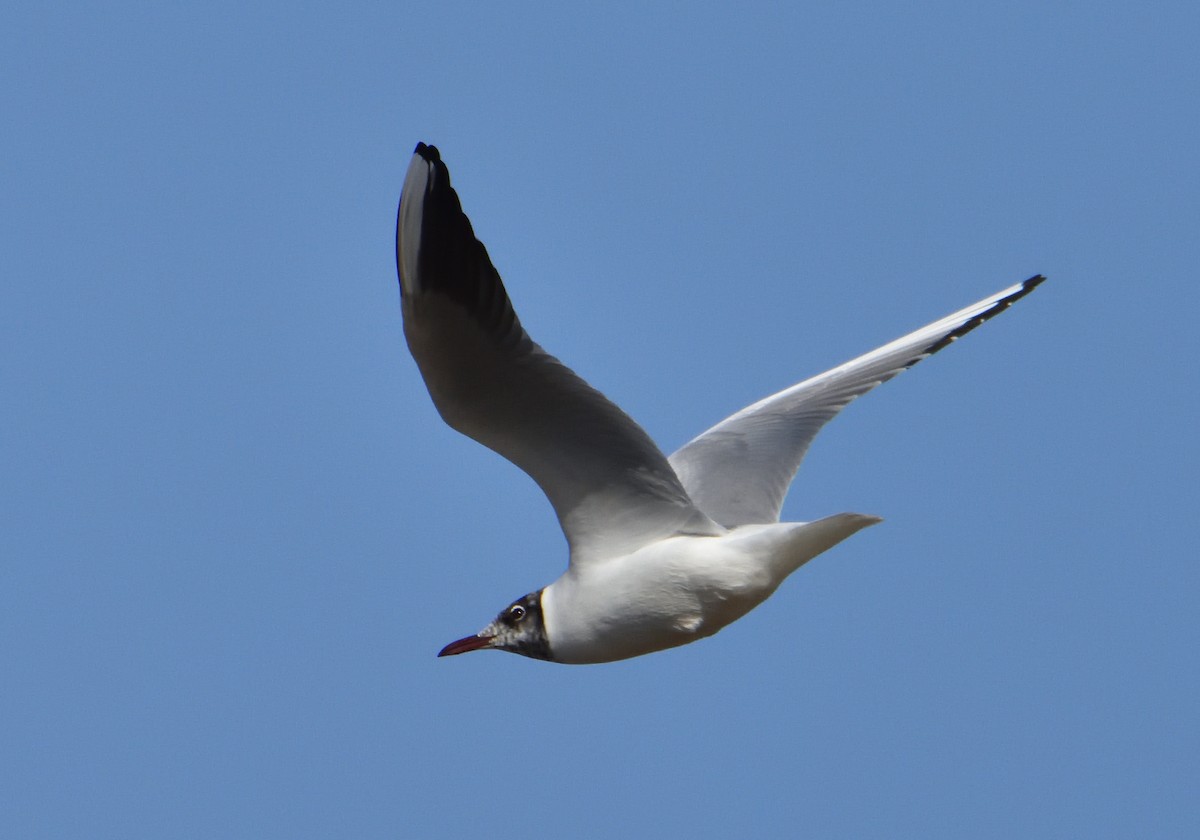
column 611, row 487
column 739, row 471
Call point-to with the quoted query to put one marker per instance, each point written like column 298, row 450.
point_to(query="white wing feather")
column 739, row 471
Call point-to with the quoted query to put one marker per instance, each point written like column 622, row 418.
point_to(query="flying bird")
column 663, row 550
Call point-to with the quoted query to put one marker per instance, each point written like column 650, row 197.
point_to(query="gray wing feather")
column 611, row 487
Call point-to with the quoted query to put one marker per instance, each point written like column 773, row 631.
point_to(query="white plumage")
column 662, row 551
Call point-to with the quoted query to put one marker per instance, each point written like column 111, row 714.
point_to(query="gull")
column 663, row 551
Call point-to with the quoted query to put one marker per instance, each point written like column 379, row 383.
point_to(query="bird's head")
column 519, row 628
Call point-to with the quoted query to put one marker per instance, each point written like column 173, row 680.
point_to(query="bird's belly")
column 652, row 600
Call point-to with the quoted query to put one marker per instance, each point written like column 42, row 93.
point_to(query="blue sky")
column 236, row 532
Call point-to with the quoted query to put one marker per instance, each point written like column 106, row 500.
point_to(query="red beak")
column 465, row 645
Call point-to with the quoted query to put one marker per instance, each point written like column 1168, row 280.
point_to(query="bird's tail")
column 806, row 540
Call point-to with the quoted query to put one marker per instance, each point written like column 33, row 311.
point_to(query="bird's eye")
column 516, row 612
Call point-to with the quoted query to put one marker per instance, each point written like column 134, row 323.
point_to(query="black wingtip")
column 448, row 259
column 991, row 312
column 1026, row 287
column 429, row 153
column 1032, row 283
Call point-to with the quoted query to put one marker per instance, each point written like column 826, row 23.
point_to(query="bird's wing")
column 611, row 487
column 738, row 471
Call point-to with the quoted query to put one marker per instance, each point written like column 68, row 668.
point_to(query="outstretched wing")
column 739, row 471
column 611, row 487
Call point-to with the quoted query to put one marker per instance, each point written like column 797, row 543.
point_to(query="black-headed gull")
column 663, row 551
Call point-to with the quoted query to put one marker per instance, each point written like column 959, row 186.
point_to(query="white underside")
column 680, row 589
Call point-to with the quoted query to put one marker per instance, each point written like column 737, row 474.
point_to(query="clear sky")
column 235, row 532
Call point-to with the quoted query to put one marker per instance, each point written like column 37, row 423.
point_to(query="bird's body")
column 679, row 589
column 663, row 551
